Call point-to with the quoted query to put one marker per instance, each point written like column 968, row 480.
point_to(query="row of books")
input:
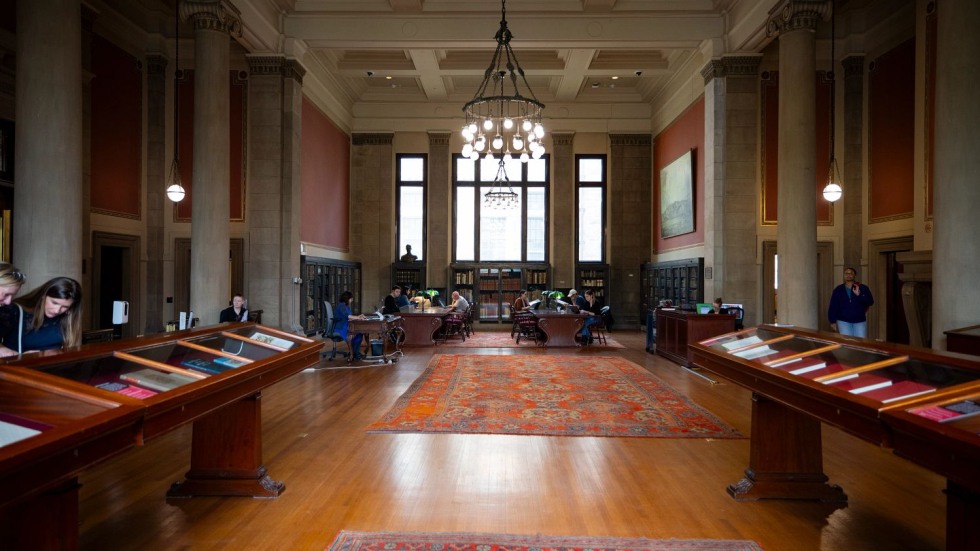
column 948, row 412
column 463, row 278
column 536, row 277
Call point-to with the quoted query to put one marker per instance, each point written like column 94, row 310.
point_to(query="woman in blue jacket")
column 849, row 305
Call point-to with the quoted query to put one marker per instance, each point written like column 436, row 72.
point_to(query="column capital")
column 853, row 65
column 562, row 138
column 439, row 138
column 278, row 65
column 372, row 139
column 796, row 15
column 731, row 66
column 631, row 139
column 212, row 15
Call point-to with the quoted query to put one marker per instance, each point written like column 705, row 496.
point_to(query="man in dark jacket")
column 849, row 305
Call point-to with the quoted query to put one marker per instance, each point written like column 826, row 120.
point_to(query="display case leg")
column 45, row 521
column 226, row 455
column 785, row 458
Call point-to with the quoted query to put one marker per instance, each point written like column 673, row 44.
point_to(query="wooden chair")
column 527, row 327
column 468, row 321
column 598, row 330
column 454, row 325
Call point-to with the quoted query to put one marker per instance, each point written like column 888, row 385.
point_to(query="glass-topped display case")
column 920, row 403
column 60, row 413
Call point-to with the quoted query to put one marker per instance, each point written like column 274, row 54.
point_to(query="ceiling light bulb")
column 832, row 192
column 518, row 142
column 508, row 157
column 467, row 149
column 487, row 124
column 489, row 155
column 539, row 130
column 525, row 157
column 467, row 135
column 175, row 193
column 472, row 128
column 480, row 143
column 537, row 154
column 508, row 123
column 498, row 141
column 526, row 125
column 474, row 155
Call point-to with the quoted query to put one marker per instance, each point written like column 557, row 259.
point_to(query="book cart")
column 94, row 402
column 893, row 396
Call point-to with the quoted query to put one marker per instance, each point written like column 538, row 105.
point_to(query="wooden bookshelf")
column 325, row 279
column 595, row 277
column 680, row 281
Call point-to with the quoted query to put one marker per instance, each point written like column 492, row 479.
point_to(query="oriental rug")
column 555, row 395
column 502, row 339
column 432, row 541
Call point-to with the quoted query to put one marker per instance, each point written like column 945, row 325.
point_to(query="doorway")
column 886, row 319
column 115, row 276
column 825, row 280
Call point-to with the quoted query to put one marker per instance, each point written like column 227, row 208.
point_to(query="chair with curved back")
column 739, row 316
column 468, row 321
column 598, row 327
column 330, row 334
column 453, row 324
column 527, row 327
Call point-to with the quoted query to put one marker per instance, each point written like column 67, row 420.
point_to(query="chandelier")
column 500, row 120
column 498, row 197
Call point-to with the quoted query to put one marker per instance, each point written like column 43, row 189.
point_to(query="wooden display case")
column 103, row 398
column 872, row 390
column 677, row 329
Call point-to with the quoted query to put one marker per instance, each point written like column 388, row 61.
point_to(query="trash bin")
column 377, row 347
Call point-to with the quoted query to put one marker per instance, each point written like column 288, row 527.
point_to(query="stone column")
column 629, row 228
column 156, row 174
column 731, row 97
column 275, row 111
column 213, row 20
column 853, row 165
column 439, row 242
column 372, row 226
column 563, row 212
column 795, row 22
column 956, row 249
column 47, row 240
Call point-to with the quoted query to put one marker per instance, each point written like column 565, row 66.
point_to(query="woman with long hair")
column 47, row 318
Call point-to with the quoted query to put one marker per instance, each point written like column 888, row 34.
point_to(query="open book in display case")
column 124, row 393
column 919, row 403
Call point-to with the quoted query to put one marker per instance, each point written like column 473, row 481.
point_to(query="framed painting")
column 677, row 196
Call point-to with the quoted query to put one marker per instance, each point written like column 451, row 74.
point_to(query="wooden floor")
column 339, row 477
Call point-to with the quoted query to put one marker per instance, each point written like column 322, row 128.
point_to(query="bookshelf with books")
column 463, row 279
column 324, row 280
column 79, row 407
column 920, row 403
column 679, row 281
column 408, row 274
column 536, row 280
column 595, row 277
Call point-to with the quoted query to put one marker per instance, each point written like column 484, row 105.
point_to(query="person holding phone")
column 849, row 305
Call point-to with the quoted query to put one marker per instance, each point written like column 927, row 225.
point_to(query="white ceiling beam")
column 427, row 65
column 571, row 80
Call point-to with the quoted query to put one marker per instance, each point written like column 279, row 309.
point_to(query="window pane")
column 500, row 230
column 465, row 170
column 536, row 170
column 488, row 169
column 590, row 210
column 465, row 223
column 412, row 169
column 410, row 219
column 590, row 170
column 535, row 224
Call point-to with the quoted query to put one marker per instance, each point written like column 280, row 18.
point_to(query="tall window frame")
column 411, row 185
column 532, row 182
column 591, row 185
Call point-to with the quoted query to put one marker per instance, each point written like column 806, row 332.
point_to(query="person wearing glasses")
column 11, row 280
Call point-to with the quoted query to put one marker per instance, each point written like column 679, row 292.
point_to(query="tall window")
column 410, row 180
column 590, row 184
column 484, row 233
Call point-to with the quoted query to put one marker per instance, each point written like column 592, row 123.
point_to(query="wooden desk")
column 421, row 325
column 677, row 328
column 388, row 329
column 559, row 329
column 786, row 454
column 965, row 340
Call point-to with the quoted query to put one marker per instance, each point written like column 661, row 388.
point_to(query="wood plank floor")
column 339, row 477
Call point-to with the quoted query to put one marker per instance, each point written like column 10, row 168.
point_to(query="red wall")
column 891, row 101
column 236, row 144
column 325, row 181
column 770, row 148
column 117, row 134
column 684, row 134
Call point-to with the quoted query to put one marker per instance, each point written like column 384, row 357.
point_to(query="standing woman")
column 11, row 280
column 849, row 305
column 47, row 318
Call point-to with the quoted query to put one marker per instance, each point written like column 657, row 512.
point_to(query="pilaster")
column 439, row 241
column 373, row 212
column 563, row 210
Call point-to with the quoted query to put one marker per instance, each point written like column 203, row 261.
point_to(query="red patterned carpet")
column 502, row 339
column 547, row 395
column 428, row 541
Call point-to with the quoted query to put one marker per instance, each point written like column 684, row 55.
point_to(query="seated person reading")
column 391, row 301
column 586, row 305
column 460, row 304
column 235, row 312
column 402, row 299
column 521, row 303
column 341, row 319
